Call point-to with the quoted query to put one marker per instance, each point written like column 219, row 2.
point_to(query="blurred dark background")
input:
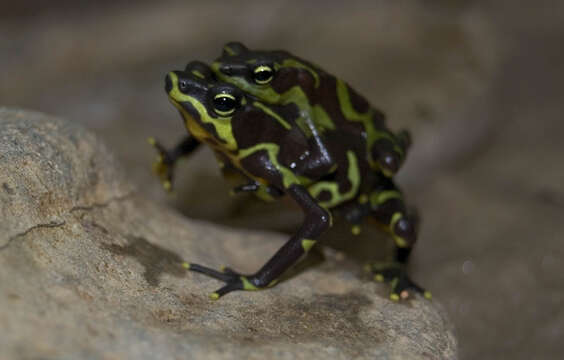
column 479, row 84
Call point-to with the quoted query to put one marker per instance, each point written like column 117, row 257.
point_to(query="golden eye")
column 224, row 104
column 263, row 74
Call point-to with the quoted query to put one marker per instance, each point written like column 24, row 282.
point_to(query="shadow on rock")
column 154, row 259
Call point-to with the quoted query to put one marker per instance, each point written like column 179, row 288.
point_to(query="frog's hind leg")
column 389, row 210
column 389, row 152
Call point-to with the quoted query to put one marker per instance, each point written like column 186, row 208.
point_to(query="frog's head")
column 267, row 75
column 206, row 105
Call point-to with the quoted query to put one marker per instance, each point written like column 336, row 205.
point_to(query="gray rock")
column 90, row 269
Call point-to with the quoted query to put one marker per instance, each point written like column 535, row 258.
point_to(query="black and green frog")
column 289, row 128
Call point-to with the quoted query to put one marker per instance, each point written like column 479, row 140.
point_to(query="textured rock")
column 90, row 269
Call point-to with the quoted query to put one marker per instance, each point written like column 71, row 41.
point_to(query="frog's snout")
column 177, row 82
column 168, row 83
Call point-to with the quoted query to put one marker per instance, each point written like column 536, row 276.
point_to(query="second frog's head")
column 268, row 75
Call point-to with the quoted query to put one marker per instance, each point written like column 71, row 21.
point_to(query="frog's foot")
column 164, row 164
column 234, row 280
column 394, row 273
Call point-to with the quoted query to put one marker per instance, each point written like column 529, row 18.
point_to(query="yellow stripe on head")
column 222, row 125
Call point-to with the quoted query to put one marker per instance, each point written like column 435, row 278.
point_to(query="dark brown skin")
column 279, row 152
column 319, row 89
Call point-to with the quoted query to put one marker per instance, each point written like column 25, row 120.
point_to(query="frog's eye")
column 224, row 104
column 263, row 74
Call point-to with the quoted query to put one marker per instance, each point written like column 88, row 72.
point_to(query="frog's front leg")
column 316, row 221
column 166, row 159
column 387, row 207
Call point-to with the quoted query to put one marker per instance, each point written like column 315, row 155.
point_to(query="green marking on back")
column 332, row 187
column 372, row 134
column 321, row 119
column 288, row 177
column 346, row 105
column 299, row 65
column 268, row 111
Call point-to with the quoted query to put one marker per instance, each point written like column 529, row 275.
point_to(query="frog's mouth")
column 171, row 87
column 174, row 94
column 183, row 102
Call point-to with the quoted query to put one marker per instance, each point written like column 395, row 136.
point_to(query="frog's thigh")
column 261, row 162
column 343, row 188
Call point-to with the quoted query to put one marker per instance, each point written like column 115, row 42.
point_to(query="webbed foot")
column 232, row 279
column 164, row 164
column 395, row 274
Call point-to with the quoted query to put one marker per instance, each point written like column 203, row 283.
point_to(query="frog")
column 328, row 104
column 278, row 150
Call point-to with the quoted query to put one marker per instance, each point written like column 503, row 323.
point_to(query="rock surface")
column 91, row 269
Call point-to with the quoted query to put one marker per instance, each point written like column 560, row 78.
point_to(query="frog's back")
column 325, row 102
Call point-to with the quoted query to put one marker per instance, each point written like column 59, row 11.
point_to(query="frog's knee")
column 403, row 230
column 386, row 155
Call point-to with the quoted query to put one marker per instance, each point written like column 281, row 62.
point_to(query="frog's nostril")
column 168, row 83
